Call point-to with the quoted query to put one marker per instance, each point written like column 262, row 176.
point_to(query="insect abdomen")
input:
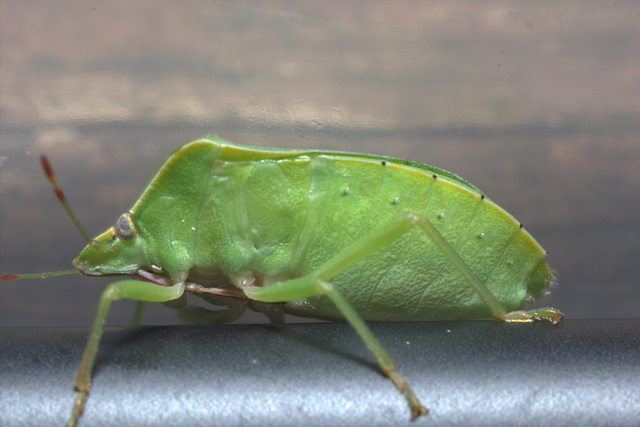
column 411, row 279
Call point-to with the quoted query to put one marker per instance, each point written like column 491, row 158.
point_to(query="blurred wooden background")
column 537, row 103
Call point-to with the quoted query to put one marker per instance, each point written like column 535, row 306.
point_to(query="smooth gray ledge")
column 582, row 372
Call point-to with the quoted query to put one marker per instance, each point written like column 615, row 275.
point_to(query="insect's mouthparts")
column 81, row 267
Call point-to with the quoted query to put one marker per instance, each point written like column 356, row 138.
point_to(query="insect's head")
column 119, row 250
column 116, row 251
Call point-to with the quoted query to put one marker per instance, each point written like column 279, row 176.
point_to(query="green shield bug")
column 323, row 234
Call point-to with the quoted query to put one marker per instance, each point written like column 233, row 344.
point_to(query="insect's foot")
column 545, row 313
column 417, row 411
column 414, row 403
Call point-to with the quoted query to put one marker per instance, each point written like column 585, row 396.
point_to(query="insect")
column 323, row 234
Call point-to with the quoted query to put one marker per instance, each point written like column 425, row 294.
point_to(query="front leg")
column 125, row 289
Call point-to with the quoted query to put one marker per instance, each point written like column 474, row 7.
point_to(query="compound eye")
column 124, row 227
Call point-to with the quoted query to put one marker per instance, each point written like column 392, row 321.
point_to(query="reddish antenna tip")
column 48, row 170
column 47, row 167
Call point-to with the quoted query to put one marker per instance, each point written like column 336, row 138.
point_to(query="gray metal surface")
column 582, row 372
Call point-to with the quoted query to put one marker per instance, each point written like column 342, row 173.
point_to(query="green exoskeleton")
column 324, row 234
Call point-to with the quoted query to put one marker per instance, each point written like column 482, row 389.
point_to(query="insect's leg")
column 308, row 286
column 125, row 289
column 204, row 316
column 318, row 284
column 137, row 315
column 275, row 312
column 393, row 229
column 495, row 307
